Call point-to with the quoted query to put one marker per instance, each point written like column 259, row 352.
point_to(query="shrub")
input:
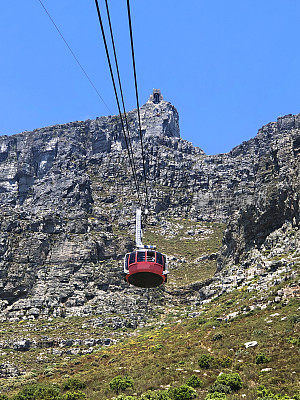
column 3, row 397
column 266, row 394
column 183, row 392
column 206, row 361
column 38, row 392
column 233, row 380
column 262, row 391
column 261, row 358
column 125, row 397
column 275, row 397
column 217, row 336
column 120, row 383
column 73, row 384
column 216, row 395
column 155, row 395
column 194, row 381
column 225, row 362
column 220, row 388
column 74, row 395
column 293, row 340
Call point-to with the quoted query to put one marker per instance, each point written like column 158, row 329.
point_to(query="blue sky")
column 228, row 66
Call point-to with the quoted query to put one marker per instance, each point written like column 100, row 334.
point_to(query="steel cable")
column 131, row 161
column 74, row 55
column 137, row 99
column 119, row 80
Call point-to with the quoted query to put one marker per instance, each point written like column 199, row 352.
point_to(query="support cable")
column 119, row 79
column 131, row 161
column 137, row 99
column 74, row 56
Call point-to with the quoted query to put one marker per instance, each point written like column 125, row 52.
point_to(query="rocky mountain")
column 228, row 222
column 68, row 202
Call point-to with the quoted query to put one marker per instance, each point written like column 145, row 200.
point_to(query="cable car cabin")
column 145, row 268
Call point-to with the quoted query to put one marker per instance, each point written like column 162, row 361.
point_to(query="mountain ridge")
column 229, row 224
column 68, row 202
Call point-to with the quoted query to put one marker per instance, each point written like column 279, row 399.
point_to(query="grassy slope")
column 166, row 351
column 205, row 240
column 168, row 355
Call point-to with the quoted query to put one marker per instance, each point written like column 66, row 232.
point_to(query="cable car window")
column 141, row 256
column 151, row 256
column 132, row 258
column 126, row 261
column 159, row 258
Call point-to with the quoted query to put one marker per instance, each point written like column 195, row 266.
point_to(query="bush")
column 216, row 396
column 73, row 384
column 261, row 358
column 194, row 381
column 183, row 392
column 3, row 397
column 206, row 361
column 217, row 336
column 125, row 397
column 38, row 392
column 276, row 397
column 74, row 395
column 262, row 391
column 225, row 362
column 220, row 388
column 120, row 383
column 293, row 340
column 266, row 394
column 233, row 380
column 155, row 395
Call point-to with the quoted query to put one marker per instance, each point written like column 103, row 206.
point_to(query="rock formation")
column 68, row 201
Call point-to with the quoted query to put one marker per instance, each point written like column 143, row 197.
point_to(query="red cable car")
column 144, row 267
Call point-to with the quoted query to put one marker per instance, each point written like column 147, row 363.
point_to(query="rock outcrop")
column 68, row 201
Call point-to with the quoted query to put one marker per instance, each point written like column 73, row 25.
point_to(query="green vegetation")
column 266, row 394
column 73, row 384
column 183, row 344
column 39, row 392
column 217, row 336
column 205, row 238
column 155, row 395
column 261, row 358
column 194, row 381
column 178, row 355
column 232, row 380
column 206, row 361
column 216, row 396
column 74, row 395
column 220, row 388
column 183, row 392
column 120, row 383
column 45, row 392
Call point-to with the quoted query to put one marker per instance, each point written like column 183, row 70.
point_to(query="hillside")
column 229, row 223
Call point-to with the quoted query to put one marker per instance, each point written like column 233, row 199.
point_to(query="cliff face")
column 68, row 203
column 275, row 201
